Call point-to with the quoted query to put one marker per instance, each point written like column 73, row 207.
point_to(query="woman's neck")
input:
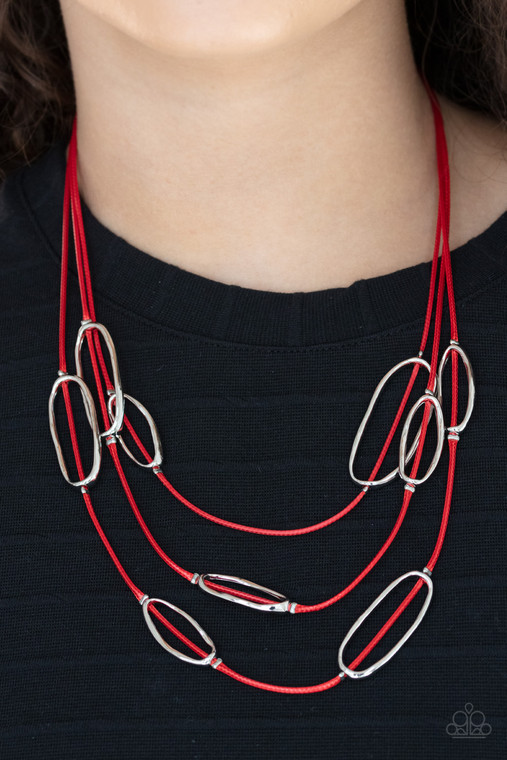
column 303, row 167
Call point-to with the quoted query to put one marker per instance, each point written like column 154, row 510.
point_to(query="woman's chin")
column 217, row 28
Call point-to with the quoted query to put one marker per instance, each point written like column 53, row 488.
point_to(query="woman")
column 260, row 196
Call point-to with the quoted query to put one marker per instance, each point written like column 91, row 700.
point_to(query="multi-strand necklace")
column 112, row 401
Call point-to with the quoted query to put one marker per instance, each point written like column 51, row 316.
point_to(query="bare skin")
column 274, row 145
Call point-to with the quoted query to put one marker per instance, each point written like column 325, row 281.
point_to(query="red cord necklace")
column 112, row 405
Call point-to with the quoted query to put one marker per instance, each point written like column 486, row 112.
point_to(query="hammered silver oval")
column 471, row 384
column 280, row 605
column 156, row 461
column 367, row 415
column 163, row 643
column 439, row 418
column 91, row 415
column 383, row 660
column 86, row 325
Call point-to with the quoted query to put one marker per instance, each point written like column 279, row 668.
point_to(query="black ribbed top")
column 257, row 396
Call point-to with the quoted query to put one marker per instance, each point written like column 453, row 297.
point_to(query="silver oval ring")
column 439, row 417
column 91, row 415
column 471, row 384
column 364, row 421
column 280, row 605
column 383, row 660
column 163, row 643
column 119, row 411
column 157, row 443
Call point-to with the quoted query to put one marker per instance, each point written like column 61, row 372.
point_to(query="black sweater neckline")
column 191, row 303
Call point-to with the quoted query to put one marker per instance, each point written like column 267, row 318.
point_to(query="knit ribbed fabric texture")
column 257, row 396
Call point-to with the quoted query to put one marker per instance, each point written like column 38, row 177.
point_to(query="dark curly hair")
column 459, row 45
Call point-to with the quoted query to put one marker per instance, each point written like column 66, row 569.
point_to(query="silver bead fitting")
column 111, row 439
column 195, row 578
column 143, row 599
column 427, row 571
column 341, row 675
column 217, row 662
column 84, row 489
column 453, row 437
column 156, row 470
column 410, row 487
column 292, row 607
